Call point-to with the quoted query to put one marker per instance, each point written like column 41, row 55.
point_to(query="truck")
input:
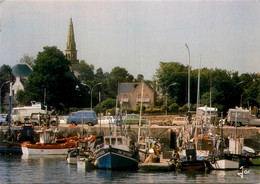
column 20, row 114
column 241, row 117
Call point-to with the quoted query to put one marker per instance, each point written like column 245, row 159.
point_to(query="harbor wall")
column 167, row 134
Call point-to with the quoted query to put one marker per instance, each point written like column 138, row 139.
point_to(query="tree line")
column 53, row 82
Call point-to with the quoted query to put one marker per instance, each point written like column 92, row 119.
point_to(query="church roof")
column 21, row 70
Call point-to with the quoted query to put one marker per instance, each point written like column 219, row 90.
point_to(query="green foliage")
column 173, row 73
column 26, row 59
column 5, row 75
column 174, row 107
column 51, row 72
column 184, row 108
column 163, row 108
column 138, row 108
column 116, row 76
column 106, row 105
column 86, row 72
column 22, row 98
column 139, row 77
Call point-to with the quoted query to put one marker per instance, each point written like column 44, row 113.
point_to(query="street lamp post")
column 1, row 95
column 91, row 90
column 172, row 84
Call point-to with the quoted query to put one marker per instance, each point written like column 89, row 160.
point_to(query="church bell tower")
column 71, row 51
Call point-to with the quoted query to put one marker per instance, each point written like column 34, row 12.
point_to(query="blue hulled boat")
column 115, row 152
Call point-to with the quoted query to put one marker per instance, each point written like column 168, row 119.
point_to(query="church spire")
column 71, row 52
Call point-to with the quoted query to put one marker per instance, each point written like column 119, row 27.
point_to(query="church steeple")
column 71, row 52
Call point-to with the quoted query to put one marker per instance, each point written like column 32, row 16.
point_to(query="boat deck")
column 163, row 165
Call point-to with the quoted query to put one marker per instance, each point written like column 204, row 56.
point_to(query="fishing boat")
column 48, row 145
column 221, row 160
column 11, row 142
column 86, row 161
column 224, row 162
column 115, row 152
column 188, row 160
column 256, row 160
column 11, row 138
column 83, row 148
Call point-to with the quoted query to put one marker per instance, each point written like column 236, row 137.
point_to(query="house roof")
column 125, row 87
column 21, row 70
column 128, row 87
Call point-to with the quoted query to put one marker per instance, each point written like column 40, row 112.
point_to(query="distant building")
column 130, row 94
column 71, row 51
column 21, row 73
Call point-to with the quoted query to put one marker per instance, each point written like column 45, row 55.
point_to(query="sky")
column 136, row 35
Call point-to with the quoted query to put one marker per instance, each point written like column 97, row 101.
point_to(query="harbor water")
column 54, row 169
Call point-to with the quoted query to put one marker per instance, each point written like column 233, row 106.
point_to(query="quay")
column 163, row 165
column 164, row 134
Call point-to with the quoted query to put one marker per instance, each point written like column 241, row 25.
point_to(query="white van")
column 242, row 117
column 20, row 113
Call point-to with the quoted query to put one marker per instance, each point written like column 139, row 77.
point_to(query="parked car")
column 3, row 119
column 35, row 120
column 87, row 117
column 107, row 120
column 133, row 119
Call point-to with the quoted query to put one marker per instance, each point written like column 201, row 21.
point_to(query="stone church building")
column 71, row 51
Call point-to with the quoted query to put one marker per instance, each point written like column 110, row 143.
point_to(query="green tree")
column 140, row 77
column 173, row 73
column 5, row 75
column 51, row 73
column 26, row 59
column 116, row 76
column 22, row 98
column 86, row 72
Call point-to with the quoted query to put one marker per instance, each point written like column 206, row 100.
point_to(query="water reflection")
column 54, row 169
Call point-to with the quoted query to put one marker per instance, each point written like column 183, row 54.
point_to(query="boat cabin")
column 120, row 142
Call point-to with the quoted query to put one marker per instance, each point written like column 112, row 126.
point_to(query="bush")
column 174, row 107
column 138, row 108
column 183, row 108
column 163, row 108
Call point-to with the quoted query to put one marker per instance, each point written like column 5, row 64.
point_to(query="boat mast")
column 222, row 138
column 198, row 100
column 140, row 117
column 10, row 108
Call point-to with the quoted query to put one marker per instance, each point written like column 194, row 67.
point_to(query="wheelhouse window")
column 107, row 141
column 119, row 141
column 113, row 141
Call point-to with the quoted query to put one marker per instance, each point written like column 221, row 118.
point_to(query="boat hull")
column 32, row 151
column 192, row 165
column 10, row 148
column 112, row 158
column 256, row 160
column 224, row 163
column 46, row 149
